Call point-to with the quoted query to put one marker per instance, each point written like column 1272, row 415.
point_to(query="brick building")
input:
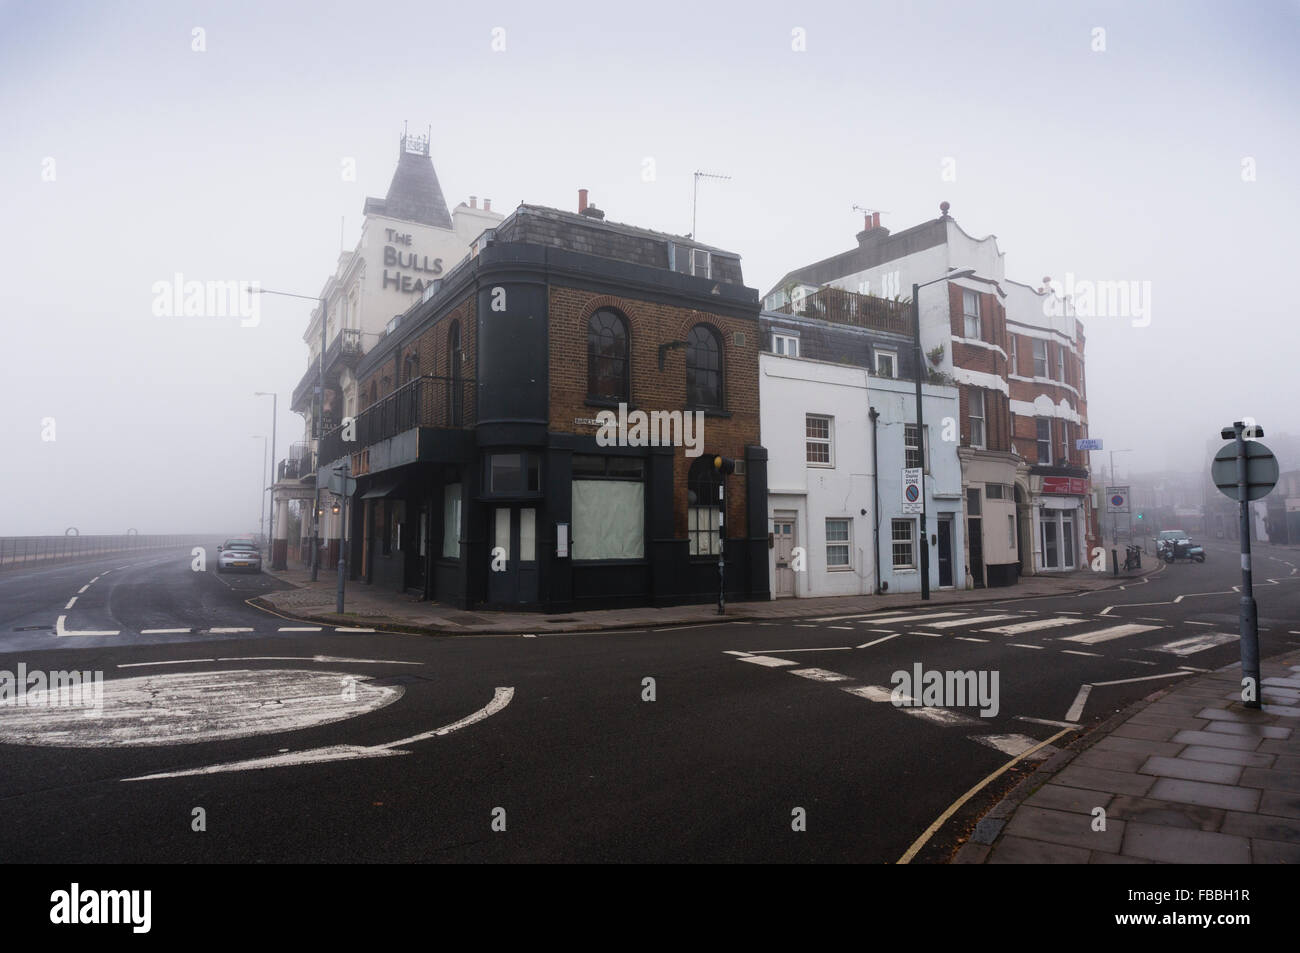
column 1025, row 505
column 488, row 471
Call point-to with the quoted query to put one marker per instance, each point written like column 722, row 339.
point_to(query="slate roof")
column 414, row 195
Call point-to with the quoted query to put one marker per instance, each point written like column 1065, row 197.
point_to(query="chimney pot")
column 473, row 201
column 487, row 205
column 582, row 200
column 875, row 219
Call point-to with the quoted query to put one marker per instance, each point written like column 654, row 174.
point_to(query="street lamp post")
column 1114, row 517
column 270, row 523
column 320, row 388
column 261, row 514
column 919, row 367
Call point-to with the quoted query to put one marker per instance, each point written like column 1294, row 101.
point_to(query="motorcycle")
column 1176, row 549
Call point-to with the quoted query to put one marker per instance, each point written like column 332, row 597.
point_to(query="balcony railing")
column 301, row 462
column 345, row 351
column 435, row 402
column 847, row 307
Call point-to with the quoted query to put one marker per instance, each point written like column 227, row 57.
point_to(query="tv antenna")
column 696, row 199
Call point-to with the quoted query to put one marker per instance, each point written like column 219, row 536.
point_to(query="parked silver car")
column 235, row 554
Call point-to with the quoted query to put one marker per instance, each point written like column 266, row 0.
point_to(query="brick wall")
column 649, row 325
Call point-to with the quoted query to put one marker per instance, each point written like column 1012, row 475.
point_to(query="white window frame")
column 968, row 296
column 894, row 541
column 846, row 543
column 708, row 263
column 924, row 448
column 1014, row 356
column 1039, row 441
column 787, row 345
column 1039, row 342
column 982, row 442
column 892, row 355
column 828, row 441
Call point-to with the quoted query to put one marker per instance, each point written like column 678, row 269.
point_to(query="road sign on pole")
column 1085, row 443
column 1246, row 470
column 912, row 491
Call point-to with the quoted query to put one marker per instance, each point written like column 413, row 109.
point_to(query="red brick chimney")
column 875, row 219
column 487, row 205
column 582, row 200
column 473, row 201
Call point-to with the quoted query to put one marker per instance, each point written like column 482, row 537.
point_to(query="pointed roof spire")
column 414, row 195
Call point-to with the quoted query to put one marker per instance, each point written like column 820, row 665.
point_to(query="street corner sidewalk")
column 1185, row 776
column 374, row 607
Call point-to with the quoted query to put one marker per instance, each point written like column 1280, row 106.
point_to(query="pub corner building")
column 470, row 364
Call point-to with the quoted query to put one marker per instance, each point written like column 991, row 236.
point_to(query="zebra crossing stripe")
column 1033, row 625
column 1109, row 633
column 942, row 716
column 767, row 661
column 872, row 693
column 819, row 675
column 954, row 623
column 1197, row 643
column 891, row 619
column 1014, row 745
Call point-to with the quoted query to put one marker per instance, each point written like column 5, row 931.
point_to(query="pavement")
column 316, row 602
column 1187, row 775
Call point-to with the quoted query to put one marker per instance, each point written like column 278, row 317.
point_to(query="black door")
column 945, row 551
column 976, row 536
column 512, row 578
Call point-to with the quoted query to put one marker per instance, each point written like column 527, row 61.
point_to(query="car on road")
column 1174, row 544
column 239, row 553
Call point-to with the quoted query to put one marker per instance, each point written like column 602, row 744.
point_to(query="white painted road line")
column 226, row 630
column 932, row 635
column 343, row 628
column 848, row 627
column 734, row 652
column 867, row 645
column 1022, row 645
column 163, row 631
column 767, row 661
column 71, row 602
column 1076, row 652
column 872, row 693
column 1033, row 626
column 1076, row 707
column 179, row 661
column 1014, row 745
column 891, row 619
column 83, row 588
column 941, row 716
column 314, row 658
column 829, row 648
column 1112, row 632
column 892, row 632
column 1197, row 643
column 958, row 622
column 1189, row 622
column 819, row 674
column 1146, row 678
column 60, row 631
column 1045, row 721
column 299, row 628
column 967, row 638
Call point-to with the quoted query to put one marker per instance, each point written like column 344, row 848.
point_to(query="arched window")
column 703, row 368
column 607, row 356
column 703, row 507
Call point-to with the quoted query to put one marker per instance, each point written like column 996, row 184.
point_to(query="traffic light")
column 724, row 465
column 1141, row 516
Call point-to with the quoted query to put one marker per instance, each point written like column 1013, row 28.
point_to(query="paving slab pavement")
column 1204, row 781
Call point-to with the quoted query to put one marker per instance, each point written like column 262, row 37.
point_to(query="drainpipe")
column 875, row 492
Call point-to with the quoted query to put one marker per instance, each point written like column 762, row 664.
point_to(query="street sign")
column 1116, row 499
column 911, row 490
column 1261, row 470
column 1088, row 444
column 339, row 487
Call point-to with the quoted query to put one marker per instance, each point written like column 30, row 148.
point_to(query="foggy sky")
column 225, row 165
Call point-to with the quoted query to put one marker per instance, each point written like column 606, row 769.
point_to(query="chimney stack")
column 875, row 219
column 473, row 201
column 582, row 201
column 487, row 205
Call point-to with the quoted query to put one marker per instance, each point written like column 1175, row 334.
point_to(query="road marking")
column 299, row 628
column 1076, row 707
column 891, row 631
column 162, row 631
column 1033, row 625
column 1197, row 643
column 867, row 645
column 1014, row 745
column 819, row 674
column 313, row 658
column 767, row 661
column 891, row 619
column 872, row 693
column 1198, row 623
column 71, row 602
column 179, row 661
column 1022, row 645
column 83, row 588
column 932, row 635
column 1069, row 612
column 1193, row 669
column 1144, row 678
column 679, row 628
column 956, row 805
column 957, row 622
column 1147, row 618
column 345, row 628
column 734, row 652
column 847, row 627
column 1045, row 721
column 967, row 638
column 500, row 699
column 60, row 631
column 93, row 581
column 1137, row 661
column 941, row 716
column 225, row 630
column 1107, row 634
column 832, row 648
column 1106, row 611
column 800, row 625
column 1088, row 654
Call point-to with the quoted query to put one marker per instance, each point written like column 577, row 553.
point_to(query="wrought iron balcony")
column 301, row 462
column 345, row 351
column 432, row 402
column 847, row 307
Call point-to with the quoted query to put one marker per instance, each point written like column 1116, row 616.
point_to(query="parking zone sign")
column 1116, row 499
column 911, row 490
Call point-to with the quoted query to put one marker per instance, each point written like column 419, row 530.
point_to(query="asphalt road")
column 336, row 746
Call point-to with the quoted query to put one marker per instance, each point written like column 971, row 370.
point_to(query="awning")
column 381, row 488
